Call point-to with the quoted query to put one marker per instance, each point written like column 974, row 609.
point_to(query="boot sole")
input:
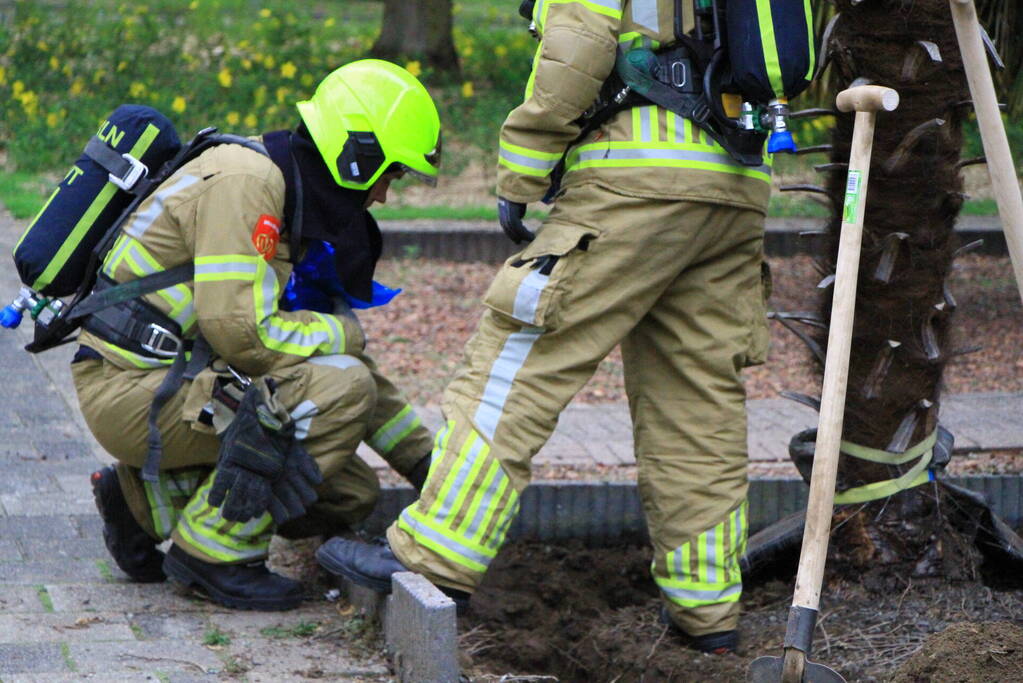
column 331, row 565
column 184, row 575
column 99, row 495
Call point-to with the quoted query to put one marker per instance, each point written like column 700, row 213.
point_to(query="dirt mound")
column 968, row 653
column 570, row 613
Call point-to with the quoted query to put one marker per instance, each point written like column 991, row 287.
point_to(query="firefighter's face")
column 378, row 193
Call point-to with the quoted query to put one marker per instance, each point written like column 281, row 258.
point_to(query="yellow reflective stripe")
column 679, row 155
column 471, row 555
column 808, row 13
column 537, row 154
column 532, row 73
column 228, row 267
column 69, row 245
column 385, row 439
column 770, row 48
column 160, row 508
column 452, row 480
column 469, row 483
column 143, row 362
column 608, row 8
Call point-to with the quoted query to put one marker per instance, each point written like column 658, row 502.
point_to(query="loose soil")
column 572, row 613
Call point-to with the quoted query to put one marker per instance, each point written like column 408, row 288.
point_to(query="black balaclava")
column 328, row 211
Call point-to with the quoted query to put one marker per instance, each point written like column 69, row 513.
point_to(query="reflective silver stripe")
column 661, row 153
column 339, row 335
column 644, row 13
column 449, row 543
column 247, row 267
column 270, row 287
column 296, row 337
column 386, row 441
column 464, row 470
column 303, row 415
column 145, row 219
column 502, row 374
column 711, row 555
column 680, row 127
column 336, row 360
column 523, row 160
column 528, row 296
column 679, row 571
column 701, row 595
column 645, row 114
column 160, row 503
column 485, row 503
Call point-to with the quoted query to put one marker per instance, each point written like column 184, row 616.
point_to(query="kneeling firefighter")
column 260, row 434
column 654, row 242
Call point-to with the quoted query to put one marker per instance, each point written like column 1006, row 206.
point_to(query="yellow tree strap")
column 916, row 475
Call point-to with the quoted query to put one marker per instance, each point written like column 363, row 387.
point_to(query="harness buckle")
column 136, row 171
column 161, row 342
column 679, row 74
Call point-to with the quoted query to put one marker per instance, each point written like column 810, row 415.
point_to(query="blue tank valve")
column 781, row 141
column 11, row 316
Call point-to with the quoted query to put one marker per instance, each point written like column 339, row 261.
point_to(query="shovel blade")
column 768, row 670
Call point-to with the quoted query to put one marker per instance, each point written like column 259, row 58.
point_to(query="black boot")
column 371, row 565
column 241, row 586
column 720, row 643
column 133, row 550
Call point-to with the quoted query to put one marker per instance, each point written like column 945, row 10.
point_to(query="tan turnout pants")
column 331, row 399
column 679, row 285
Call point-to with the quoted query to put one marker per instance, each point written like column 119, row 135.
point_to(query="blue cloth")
column 314, row 284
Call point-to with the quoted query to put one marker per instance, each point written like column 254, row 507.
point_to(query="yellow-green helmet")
column 370, row 114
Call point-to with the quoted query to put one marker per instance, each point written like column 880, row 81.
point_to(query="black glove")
column 262, row 467
column 417, row 477
column 510, row 214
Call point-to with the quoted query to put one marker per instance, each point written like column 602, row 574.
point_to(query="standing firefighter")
column 654, row 242
column 260, row 436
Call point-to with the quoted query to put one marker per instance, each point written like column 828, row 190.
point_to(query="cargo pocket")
column 529, row 285
column 760, row 338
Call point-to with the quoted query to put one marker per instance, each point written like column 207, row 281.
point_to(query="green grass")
column 302, row 629
column 215, row 637
column 24, row 193
column 44, row 597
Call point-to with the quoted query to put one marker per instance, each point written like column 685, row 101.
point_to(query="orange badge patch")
column 266, row 236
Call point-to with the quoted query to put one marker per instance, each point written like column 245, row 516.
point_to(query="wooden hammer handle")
column 867, row 98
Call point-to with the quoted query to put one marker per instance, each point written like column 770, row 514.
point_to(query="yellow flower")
column 17, row 88
column 250, row 121
column 467, row 50
column 328, row 22
column 414, row 68
column 77, row 86
column 96, row 77
column 282, row 94
column 137, row 89
column 42, row 46
column 307, row 80
column 269, row 62
column 467, row 90
column 193, row 5
column 224, row 77
column 178, row 105
column 288, row 70
column 52, row 120
column 247, row 64
column 29, row 102
column 3, row 76
column 233, row 118
column 500, row 50
column 54, row 63
column 259, row 97
column 121, row 66
column 264, row 13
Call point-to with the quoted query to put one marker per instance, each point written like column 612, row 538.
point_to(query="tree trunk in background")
column 903, row 334
column 420, row 30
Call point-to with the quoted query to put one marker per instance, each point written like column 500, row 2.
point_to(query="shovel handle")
column 866, row 101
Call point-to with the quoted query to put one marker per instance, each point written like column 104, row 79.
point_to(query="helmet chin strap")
column 295, row 229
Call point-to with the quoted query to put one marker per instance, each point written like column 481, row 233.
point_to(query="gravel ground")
column 418, row 339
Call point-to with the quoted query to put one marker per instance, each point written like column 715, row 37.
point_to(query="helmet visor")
column 433, row 159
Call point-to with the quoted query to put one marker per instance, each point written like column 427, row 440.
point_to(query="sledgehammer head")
column 867, row 98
